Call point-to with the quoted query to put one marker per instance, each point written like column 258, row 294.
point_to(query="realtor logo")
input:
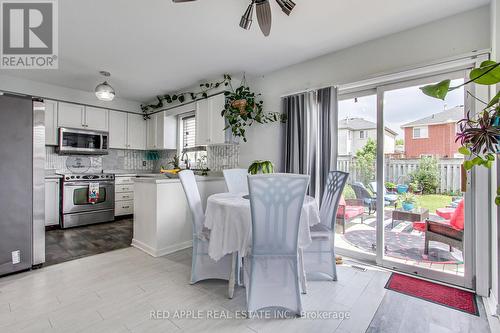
column 29, row 37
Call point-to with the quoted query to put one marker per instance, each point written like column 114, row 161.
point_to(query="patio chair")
column 362, row 193
column 272, row 266
column 319, row 257
column 389, row 198
column 349, row 209
column 236, row 180
column 202, row 267
column 450, row 232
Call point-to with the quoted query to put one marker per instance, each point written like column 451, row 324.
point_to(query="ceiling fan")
column 263, row 9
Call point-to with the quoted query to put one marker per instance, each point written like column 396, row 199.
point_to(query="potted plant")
column 479, row 134
column 390, row 187
column 242, row 109
column 408, row 201
column 261, row 167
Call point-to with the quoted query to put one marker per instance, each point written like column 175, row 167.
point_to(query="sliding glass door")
column 407, row 206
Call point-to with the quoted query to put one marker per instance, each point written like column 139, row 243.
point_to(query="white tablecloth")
column 230, row 222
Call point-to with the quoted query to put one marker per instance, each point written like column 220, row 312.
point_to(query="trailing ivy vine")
column 241, row 109
column 181, row 97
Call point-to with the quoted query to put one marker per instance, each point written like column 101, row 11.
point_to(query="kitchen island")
column 162, row 219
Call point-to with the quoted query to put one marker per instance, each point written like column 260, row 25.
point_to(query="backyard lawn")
column 434, row 201
column 429, row 201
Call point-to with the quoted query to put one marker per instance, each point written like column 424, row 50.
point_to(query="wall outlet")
column 143, row 163
column 16, row 257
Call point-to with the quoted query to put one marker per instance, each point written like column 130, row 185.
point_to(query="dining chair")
column 202, row 266
column 272, row 267
column 319, row 257
column 236, row 180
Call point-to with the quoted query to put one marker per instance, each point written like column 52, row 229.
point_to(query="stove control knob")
column 67, row 178
column 72, row 177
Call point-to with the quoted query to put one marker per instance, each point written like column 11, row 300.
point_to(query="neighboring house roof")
column 447, row 116
column 358, row 124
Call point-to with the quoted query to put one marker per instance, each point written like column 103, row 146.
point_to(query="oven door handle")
column 86, row 184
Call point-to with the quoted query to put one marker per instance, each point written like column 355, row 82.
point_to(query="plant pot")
column 240, row 104
column 407, row 206
column 402, row 188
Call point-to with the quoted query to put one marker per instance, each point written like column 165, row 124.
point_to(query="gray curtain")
column 308, row 136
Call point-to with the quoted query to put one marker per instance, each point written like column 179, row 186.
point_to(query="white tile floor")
column 116, row 292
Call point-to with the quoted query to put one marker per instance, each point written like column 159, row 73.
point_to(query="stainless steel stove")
column 77, row 209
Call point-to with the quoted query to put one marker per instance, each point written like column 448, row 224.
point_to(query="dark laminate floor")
column 68, row 244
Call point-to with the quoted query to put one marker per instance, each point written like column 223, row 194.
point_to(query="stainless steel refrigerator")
column 22, row 186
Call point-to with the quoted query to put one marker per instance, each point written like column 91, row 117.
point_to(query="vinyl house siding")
column 439, row 143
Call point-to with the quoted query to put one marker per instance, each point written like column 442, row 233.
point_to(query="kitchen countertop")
column 51, row 174
column 161, row 179
column 127, row 173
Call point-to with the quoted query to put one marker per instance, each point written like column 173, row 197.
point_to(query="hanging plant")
column 242, row 110
column 479, row 134
column 181, row 97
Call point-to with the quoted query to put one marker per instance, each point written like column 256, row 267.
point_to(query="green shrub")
column 366, row 160
column 390, row 185
column 427, row 175
column 348, row 193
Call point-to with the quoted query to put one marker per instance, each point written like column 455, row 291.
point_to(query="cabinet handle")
column 125, row 206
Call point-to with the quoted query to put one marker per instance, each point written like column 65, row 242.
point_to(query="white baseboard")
column 492, row 309
column 161, row 252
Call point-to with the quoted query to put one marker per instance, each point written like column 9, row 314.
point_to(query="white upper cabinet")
column 136, row 132
column 151, row 130
column 170, row 132
column 71, row 115
column 218, row 123
column 85, row 117
column 50, row 122
column 96, row 118
column 162, row 132
column 202, row 123
column 117, row 130
column 209, row 123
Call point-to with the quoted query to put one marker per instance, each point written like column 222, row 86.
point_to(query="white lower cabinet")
column 51, row 202
column 124, row 195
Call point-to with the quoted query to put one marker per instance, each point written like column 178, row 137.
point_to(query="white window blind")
column 189, row 131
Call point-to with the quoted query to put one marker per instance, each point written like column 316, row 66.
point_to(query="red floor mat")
column 451, row 297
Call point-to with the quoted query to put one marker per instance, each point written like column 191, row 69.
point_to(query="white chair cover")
column 271, row 269
column 236, row 180
column 203, row 267
column 319, row 257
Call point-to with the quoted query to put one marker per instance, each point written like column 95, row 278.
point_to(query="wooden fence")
column 398, row 171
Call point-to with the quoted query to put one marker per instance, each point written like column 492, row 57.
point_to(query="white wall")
column 495, row 213
column 40, row 89
column 448, row 37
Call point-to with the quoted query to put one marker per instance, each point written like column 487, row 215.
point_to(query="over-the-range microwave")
column 79, row 141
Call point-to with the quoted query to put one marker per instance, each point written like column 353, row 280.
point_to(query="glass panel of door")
column 405, row 206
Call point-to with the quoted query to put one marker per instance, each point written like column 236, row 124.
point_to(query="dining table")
column 229, row 219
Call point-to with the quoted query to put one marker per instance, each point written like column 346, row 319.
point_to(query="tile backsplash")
column 117, row 159
column 223, row 157
column 219, row 157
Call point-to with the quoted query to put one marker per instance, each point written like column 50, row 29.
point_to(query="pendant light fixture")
column 103, row 91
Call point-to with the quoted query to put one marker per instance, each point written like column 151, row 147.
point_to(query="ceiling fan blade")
column 182, row 0
column 263, row 9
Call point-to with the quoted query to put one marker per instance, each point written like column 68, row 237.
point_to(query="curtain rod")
column 344, row 86
column 65, row 101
